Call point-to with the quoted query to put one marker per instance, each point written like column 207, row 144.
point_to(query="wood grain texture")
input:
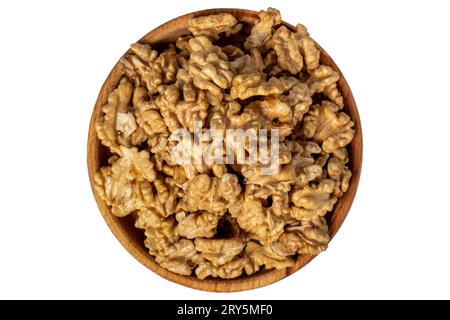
column 133, row 239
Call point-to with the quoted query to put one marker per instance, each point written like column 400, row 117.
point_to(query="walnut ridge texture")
column 214, row 219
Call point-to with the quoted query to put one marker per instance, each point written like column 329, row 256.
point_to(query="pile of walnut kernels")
column 227, row 220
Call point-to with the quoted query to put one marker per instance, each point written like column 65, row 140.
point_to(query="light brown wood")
column 133, row 239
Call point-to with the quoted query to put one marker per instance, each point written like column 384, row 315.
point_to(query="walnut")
column 159, row 231
column 125, row 127
column 148, row 116
column 210, row 71
column 341, row 154
column 313, row 201
column 146, row 68
column 264, row 256
column 202, row 224
column 332, row 93
column 312, row 236
column 341, row 175
column 307, row 46
column 148, row 218
column 140, row 67
column 262, row 31
column 219, row 219
column 254, row 84
column 138, row 137
column 177, row 113
column 229, row 270
column 121, row 195
column 203, row 44
column 193, row 109
column 178, row 256
column 167, row 61
column 124, row 184
column 300, row 100
column 273, row 108
column 287, row 50
column 321, row 78
column 260, row 222
column 230, row 116
column 211, row 26
column 106, row 125
column 167, row 103
column 324, row 124
column 135, row 164
column 211, row 193
column 299, row 168
column 142, row 53
column 324, row 79
column 219, row 251
column 163, row 197
column 182, row 44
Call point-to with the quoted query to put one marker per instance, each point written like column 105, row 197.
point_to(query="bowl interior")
column 133, row 239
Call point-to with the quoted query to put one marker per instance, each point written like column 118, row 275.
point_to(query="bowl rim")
column 173, row 28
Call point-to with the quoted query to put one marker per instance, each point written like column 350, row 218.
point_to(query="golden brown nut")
column 159, row 231
column 210, row 193
column 308, row 48
column 148, row 69
column 254, row 84
column 229, row 270
column 182, row 44
column 125, row 127
column 261, row 223
column 300, row 168
column 262, row 31
column 124, row 184
column 147, row 114
column 178, row 113
column 264, row 256
column 332, row 93
column 219, row 251
column 177, row 257
column 313, row 201
column 142, row 52
column 324, row 79
column 321, row 78
column 210, row 71
column 212, row 25
column 106, row 126
column 202, row 224
column 326, row 125
column 299, row 99
column 287, row 50
column 312, row 236
column 163, row 198
column 341, row 175
column 203, row 44
column 121, row 195
column 139, row 67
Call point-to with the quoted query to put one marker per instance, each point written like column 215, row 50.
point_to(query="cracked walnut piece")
column 215, row 219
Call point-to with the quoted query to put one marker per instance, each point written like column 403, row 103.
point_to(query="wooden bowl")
column 133, row 239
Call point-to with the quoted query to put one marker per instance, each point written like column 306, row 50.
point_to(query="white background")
column 54, row 57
